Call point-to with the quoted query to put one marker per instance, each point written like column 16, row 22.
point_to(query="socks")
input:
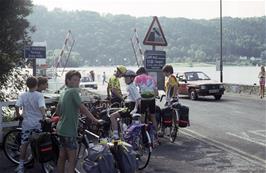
column 115, row 134
column 21, row 163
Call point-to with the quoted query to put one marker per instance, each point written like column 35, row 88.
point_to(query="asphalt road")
column 226, row 136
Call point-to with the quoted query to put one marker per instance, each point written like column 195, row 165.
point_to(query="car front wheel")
column 193, row 95
column 217, row 97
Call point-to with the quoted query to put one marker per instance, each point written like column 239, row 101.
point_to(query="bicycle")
column 11, row 147
column 170, row 119
column 133, row 132
column 83, row 147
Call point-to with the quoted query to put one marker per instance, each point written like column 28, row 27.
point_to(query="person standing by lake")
column 42, row 84
column 104, row 77
column 262, row 81
column 33, row 105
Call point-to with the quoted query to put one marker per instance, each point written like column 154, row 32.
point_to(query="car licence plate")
column 213, row 91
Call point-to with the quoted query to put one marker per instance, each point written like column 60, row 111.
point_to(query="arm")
column 108, row 90
column 57, row 110
column 85, row 111
column 42, row 109
column 156, row 91
column 17, row 112
column 116, row 92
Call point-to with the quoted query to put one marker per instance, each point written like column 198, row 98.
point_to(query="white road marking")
column 247, row 138
column 258, row 132
column 247, row 156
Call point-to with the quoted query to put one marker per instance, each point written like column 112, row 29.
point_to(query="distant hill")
column 103, row 37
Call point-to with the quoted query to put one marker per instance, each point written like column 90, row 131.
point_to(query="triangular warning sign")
column 155, row 35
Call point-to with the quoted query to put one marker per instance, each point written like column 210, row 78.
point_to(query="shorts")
column 147, row 104
column 68, row 142
column 262, row 81
column 25, row 134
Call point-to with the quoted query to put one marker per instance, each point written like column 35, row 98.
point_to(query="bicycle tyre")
column 173, row 134
column 11, row 151
column 144, row 145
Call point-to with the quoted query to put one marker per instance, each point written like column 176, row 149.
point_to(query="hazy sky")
column 170, row 8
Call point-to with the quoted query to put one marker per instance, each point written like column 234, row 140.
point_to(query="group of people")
column 141, row 93
column 141, row 88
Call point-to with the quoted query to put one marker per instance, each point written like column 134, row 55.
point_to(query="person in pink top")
column 148, row 91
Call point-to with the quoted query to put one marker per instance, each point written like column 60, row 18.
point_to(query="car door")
column 182, row 89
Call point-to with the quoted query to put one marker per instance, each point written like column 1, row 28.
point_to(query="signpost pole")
column 34, row 67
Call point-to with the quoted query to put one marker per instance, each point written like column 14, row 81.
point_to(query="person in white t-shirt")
column 132, row 102
column 33, row 108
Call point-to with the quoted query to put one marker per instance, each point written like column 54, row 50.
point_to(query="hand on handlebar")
column 101, row 122
column 18, row 118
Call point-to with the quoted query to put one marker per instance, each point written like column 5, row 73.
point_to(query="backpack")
column 99, row 160
column 125, row 158
column 42, row 147
column 183, row 114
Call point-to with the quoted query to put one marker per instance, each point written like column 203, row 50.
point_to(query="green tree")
column 14, row 32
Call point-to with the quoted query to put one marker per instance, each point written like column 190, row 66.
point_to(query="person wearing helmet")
column 113, row 88
column 148, row 91
column 131, row 103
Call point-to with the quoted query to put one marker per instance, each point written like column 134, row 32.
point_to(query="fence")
column 14, row 123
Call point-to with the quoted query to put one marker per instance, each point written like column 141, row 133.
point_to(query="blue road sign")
column 154, row 60
column 35, row 52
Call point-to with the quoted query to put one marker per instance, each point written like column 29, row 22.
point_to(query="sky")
column 196, row 9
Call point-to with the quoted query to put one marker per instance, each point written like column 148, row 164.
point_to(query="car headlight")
column 203, row 87
column 221, row 86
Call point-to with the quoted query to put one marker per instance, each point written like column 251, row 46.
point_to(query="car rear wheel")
column 193, row 94
column 217, row 97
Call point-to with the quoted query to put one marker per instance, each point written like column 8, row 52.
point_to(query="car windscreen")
column 193, row 76
column 85, row 79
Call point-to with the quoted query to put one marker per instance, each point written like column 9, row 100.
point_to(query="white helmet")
column 129, row 73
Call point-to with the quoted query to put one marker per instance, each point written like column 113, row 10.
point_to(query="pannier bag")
column 125, row 158
column 167, row 116
column 99, row 160
column 42, row 147
column 183, row 114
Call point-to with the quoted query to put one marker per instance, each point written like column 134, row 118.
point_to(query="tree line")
column 106, row 38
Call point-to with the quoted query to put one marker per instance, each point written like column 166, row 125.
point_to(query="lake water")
column 231, row 74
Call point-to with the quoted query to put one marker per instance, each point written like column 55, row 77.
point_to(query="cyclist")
column 132, row 102
column 33, row 105
column 171, row 84
column 42, row 84
column 114, row 85
column 68, row 109
column 148, row 91
column 171, row 89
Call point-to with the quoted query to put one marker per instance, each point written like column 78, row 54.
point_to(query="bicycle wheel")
column 11, row 147
column 144, row 149
column 173, row 134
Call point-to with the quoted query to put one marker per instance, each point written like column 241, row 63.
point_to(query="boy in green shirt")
column 68, row 108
